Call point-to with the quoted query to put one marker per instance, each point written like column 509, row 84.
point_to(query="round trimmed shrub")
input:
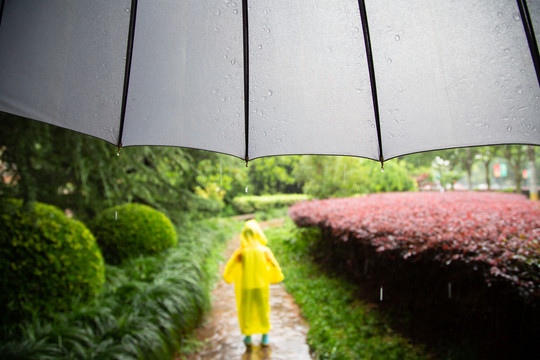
column 47, row 260
column 131, row 230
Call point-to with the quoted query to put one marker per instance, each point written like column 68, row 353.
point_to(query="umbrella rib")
column 246, row 75
column 371, row 67
column 1, row 10
column 127, row 72
column 531, row 38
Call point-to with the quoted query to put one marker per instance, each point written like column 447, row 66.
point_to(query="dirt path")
column 221, row 333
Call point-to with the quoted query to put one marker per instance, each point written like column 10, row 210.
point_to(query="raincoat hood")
column 252, row 234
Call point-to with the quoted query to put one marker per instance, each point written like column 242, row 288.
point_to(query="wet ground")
column 221, row 334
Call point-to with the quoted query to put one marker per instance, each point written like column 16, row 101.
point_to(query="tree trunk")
column 487, row 170
column 533, row 189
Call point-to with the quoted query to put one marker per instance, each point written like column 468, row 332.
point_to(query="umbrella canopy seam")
column 531, row 38
column 371, row 68
column 246, row 75
column 1, row 10
column 127, row 71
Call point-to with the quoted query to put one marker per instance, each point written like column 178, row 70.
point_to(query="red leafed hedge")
column 499, row 232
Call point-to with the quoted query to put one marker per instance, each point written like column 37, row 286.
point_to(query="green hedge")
column 47, row 260
column 250, row 204
column 129, row 230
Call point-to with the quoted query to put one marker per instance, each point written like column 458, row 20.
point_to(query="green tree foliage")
column 330, row 176
column 47, row 259
column 86, row 175
column 274, row 175
column 516, row 156
column 446, row 171
column 220, row 178
column 486, row 155
column 130, row 230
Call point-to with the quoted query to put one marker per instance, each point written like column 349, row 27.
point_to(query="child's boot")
column 247, row 340
column 265, row 340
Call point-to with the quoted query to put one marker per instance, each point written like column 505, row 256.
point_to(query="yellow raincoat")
column 253, row 268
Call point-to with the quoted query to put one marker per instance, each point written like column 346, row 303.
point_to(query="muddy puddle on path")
column 221, row 333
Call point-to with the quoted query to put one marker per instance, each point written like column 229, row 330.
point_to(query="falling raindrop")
column 115, row 215
column 449, row 290
column 246, row 189
column 381, row 294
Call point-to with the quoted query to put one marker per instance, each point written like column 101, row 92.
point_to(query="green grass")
column 148, row 309
column 341, row 326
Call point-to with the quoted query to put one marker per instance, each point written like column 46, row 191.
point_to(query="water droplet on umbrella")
column 218, row 12
column 235, row 11
column 397, row 37
column 233, row 61
column 500, row 14
column 270, row 92
column 388, row 61
column 260, row 47
column 509, row 128
column 516, row 17
column 356, row 29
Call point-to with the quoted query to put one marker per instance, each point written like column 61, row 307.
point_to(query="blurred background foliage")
column 83, row 175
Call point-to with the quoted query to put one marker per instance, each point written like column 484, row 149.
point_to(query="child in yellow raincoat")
column 253, row 268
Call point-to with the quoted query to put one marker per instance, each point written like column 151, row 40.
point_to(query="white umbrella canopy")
column 375, row 78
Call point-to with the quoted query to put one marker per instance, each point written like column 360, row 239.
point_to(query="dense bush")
column 495, row 232
column 130, row 230
column 148, row 308
column 464, row 266
column 250, row 204
column 46, row 259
